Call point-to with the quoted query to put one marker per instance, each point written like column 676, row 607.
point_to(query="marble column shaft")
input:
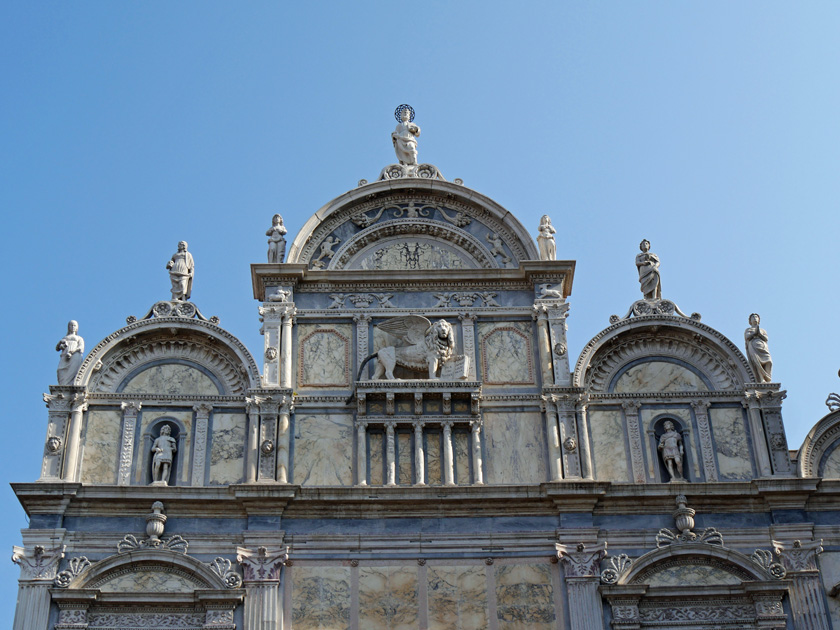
column 555, row 466
column 585, row 609
column 759, row 439
column 286, row 347
column 448, row 460
column 74, row 437
column 478, row 462
column 130, row 411
column 263, row 602
column 283, row 441
column 807, row 599
column 771, row 411
column 390, row 455
column 583, row 437
column 361, row 453
column 33, row 606
column 252, row 455
column 569, row 446
column 544, row 345
column 558, row 310
column 419, row 456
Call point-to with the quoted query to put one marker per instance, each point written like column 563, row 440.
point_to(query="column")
column 286, row 347
column 78, row 406
column 807, row 600
column 558, row 310
column 252, row 404
column 448, row 460
column 269, row 409
column 130, row 410
column 583, row 436
column 271, row 316
column 631, row 415
column 58, row 404
column 555, row 466
column 362, row 343
column 701, row 413
column 565, row 405
column 540, row 314
column 478, row 462
column 284, row 439
column 759, row 440
column 390, row 455
column 263, row 601
column 582, row 568
column 202, row 420
column 771, row 411
column 361, row 452
column 419, row 456
column 38, row 568
column 468, row 338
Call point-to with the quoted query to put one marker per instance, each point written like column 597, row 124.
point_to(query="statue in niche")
column 648, row 264
column 72, row 349
column 326, row 251
column 276, row 242
column 757, row 351
column 164, row 449
column 405, row 135
column 181, row 270
column 672, row 451
column 545, row 239
column 429, row 347
column 497, row 249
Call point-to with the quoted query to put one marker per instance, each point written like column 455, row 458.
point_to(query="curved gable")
column 819, row 455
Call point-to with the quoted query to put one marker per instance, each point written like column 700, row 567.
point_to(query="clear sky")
column 710, row 129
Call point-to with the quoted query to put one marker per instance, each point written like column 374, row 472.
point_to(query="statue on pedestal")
column 672, row 451
column 757, row 351
column 545, row 239
column 276, row 242
column 405, row 135
column 181, row 270
column 648, row 264
column 72, row 348
column 164, row 449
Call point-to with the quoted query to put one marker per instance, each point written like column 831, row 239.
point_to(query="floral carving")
column 764, row 559
column 617, row 565
column 74, row 568
column 223, row 568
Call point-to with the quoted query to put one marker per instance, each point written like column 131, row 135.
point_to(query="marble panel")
column 609, row 451
column 323, row 450
column 101, row 446
column 506, row 354
column 524, row 597
column 388, row 598
column 457, row 597
column 172, row 379
column 183, row 458
column 831, row 465
column 692, row 575
column 404, row 457
column 729, row 436
column 376, row 444
column 412, row 254
column 434, row 459
column 227, row 448
column 149, row 581
column 320, row 598
column 659, row 376
column 324, row 355
column 515, row 451
column 461, row 451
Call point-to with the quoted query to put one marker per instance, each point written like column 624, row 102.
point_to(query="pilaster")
column 362, row 321
column 38, row 567
column 468, row 338
column 771, row 411
column 807, row 600
column 759, row 439
column 130, row 409
column 202, row 420
column 582, row 569
column 263, row 601
column 59, row 403
column 701, row 414
column 631, row 416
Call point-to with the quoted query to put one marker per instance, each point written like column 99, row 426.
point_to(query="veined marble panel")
column 609, row 452
column 831, row 465
column 506, row 355
column 149, row 581
column 434, row 460
column 101, row 446
column 376, row 443
column 524, row 597
column 388, row 598
column 692, row 575
column 461, row 451
column 227, row 449
column 324, row 450
column 457, row 597
column 148, row 418
column 515, row 448
column 659, row 376
column 172, row 378
column 404, row 455
column 729, row 435
column 324, row 355
column 320, row 598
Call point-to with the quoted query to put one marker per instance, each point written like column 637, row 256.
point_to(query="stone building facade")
column 470, row 475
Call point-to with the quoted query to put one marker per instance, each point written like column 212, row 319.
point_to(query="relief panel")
column 658, row 376
column 457, row 597
column 376, row 444
column 729, row 435
column 320, row 598
column 172, row 379
column 323, row 450
column 388, row 598
column 609, row 452
column 461, row 452
column 324, row 355
column 506, row 354
column 692, row 575
column 149, row 581
column 404, row 455
column 434, row 470
column 524, row 597
column 514, row 448
column 227, row 449
column 101, row 446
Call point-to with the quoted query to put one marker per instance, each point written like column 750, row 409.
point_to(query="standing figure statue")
column 72, row 348
column 276, row 242
column 672, row 451
column 181, row 270
column 648, row 265
column 405, row 135
column 545, row 239
column 164, row 449
column 757, row 351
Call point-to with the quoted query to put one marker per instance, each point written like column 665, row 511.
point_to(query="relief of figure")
column 648, row 265
column 497, row 249
column 164, row 449
column 672, row 451
column 545, row 239
column 326, row 251
column 757, row 351
column 428, row 347
column 181, row 270
column 276, row 242
column 405, row 136
column 72, row 348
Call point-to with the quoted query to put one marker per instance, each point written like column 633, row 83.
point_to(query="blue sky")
column 710, row 129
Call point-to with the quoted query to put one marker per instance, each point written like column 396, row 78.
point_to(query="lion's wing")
column 409, row 328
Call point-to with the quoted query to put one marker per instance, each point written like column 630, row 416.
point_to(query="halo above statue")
column 400, row 108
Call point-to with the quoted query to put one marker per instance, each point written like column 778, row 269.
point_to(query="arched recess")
column 819, row 455
column 723, row 560
column 206, row 357
column 693, row 356
column 468, row 218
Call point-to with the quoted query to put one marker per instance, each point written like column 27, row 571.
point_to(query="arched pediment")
column 693, row 565
column 192, row 356
column 819, row 455
column 660, row 354
column 412, row 224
